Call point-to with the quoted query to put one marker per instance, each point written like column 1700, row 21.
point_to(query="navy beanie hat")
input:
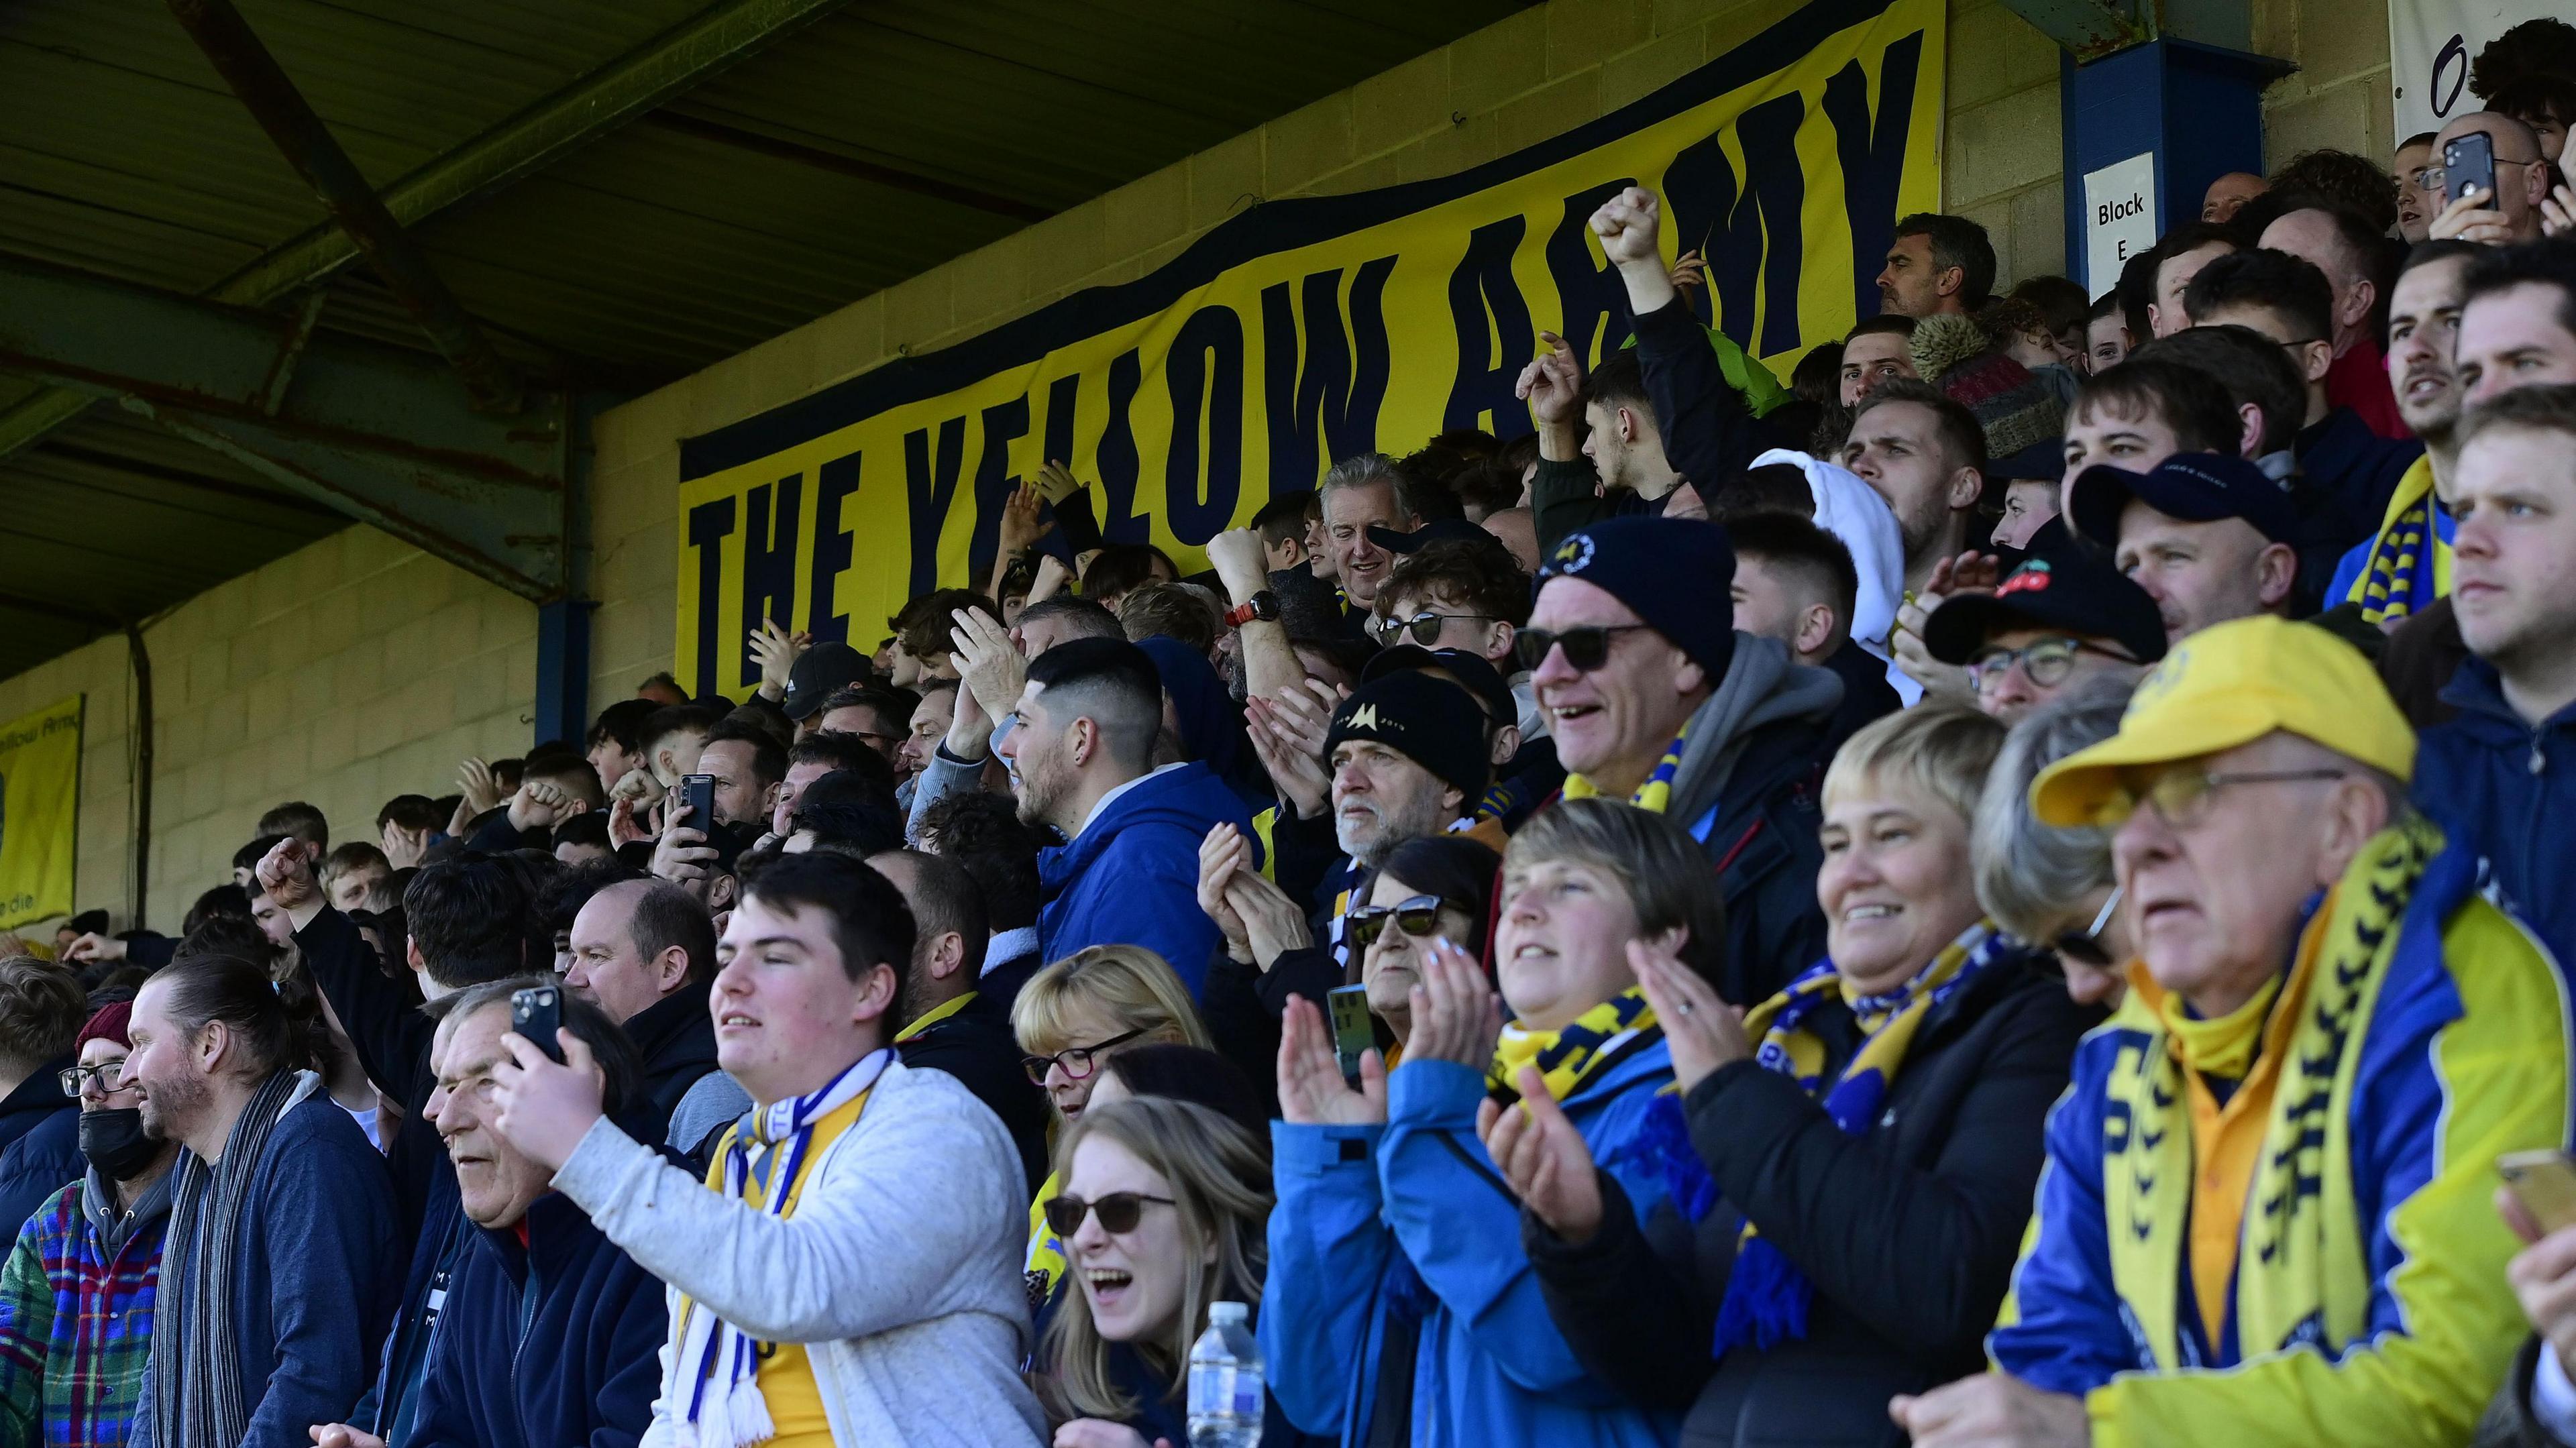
column 1674, row 574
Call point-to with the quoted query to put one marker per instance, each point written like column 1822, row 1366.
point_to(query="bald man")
column 2522, row 180
column 2228, row 194
column 2342, row 245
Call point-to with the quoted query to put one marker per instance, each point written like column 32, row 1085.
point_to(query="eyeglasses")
column 1586, row 648
column 1417, row 916
column 2182, row 797
column 1078, row 1061
column 103, row 1075
column 1424, row 626
column 2045, row 663
column 2438, row 178
column 2084, row 947
column 1119, row 1212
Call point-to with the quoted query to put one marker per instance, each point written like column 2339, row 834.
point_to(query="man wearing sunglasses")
column 2266, row 1216
column 1653, row 697
column 1468, row 594
column 2062, row 616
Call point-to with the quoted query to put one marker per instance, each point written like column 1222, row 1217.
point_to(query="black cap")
column 819, row 673
column 1473, row 670
column 1434, row 724
column 2195, row 487
column 1675, row 574
column 2066, row 589
column 1436, row 531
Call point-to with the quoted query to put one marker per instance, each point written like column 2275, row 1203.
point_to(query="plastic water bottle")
column 1225, row 1381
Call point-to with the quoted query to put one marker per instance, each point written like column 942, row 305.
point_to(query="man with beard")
column 76, row 1299
column 1081, row 756
column 2408, row 566
column 281, row 1260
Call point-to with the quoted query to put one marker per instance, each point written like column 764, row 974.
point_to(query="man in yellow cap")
column 2265, row 1217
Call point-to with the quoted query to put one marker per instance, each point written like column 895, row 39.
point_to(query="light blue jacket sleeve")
column 1461, row 1226
column 1329, row 1254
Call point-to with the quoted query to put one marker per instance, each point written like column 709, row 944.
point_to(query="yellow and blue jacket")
column 2367, row 1299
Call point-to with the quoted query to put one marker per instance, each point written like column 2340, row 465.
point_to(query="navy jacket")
column 676, row 1036
column 39, row 1144
column 1132, row 876
column 2507, row 791
column 549, row 1345
column 2355, row 469
column 316, row 1276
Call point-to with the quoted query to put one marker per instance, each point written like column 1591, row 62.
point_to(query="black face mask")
column 114, row 1142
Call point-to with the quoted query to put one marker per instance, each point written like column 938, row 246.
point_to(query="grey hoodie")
column 1761, row 686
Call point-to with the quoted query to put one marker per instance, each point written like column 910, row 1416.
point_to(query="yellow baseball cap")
column 2231, row 684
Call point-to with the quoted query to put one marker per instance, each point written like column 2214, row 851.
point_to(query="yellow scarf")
column 2223, row 1047
column 2409, row 565
column 2298, row 1268
column 1565, row 1057
column 1656, row 794
column 1043, row 1268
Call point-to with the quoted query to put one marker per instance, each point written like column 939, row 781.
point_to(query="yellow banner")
column 1307, row 330
column 39, row 812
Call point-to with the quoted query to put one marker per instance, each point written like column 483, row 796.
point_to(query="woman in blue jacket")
column 1402, row 1307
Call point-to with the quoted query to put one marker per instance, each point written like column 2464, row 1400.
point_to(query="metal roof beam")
column 378, row 433
column 269, row 94
column 527, row 141
column 2087, row 29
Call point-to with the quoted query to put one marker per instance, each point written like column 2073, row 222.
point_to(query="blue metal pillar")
column 563, row 670
column 2196, row 109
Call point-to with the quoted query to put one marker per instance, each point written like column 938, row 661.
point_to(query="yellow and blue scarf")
column 1654, row 796
column 1767, row 1296
column 2409, row 565
column 2300, row 1266
column 1565, row 1057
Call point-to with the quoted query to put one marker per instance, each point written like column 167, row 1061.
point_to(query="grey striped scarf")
column 197, row 1396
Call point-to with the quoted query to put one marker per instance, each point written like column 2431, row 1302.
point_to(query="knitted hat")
column 2016, row 409
column 1675, row 574
column 108, row 1025
column 1432, row 722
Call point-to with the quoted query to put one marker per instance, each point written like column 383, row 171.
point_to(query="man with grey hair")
column 1360, row 494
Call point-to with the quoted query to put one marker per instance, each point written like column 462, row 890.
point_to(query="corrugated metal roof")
column 745, row 208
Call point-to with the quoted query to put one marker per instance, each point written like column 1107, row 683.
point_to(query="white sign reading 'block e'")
column 2119, row 218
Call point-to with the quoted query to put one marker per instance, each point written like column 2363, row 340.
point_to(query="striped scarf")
column 720, row 1361
column 2409, row 565
column 1565, row 1057
column 1766, row 1294
column 1654, row 796
column 2301, row 1275
column 198, row 1394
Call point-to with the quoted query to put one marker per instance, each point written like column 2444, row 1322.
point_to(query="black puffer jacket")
column 1908, row 1234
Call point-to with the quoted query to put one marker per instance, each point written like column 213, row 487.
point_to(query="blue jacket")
column 2507, row 791
column 1132, row 876
column 318, row 1270
column 550, row 1345
column 2356, row 470
column 1404, row 1231
column 40, row 1128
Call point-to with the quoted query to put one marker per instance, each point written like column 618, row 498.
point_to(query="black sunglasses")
column 1078, row 1061
column 1424, row 626
column 1119, row 1212
column 1417, row 916
column 1586, row 648
column 2084, row 947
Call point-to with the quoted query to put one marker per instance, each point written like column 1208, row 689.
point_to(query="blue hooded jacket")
column 2507, row 791
column 1405, row 1231
column 555, row 1343
column 1132, row 876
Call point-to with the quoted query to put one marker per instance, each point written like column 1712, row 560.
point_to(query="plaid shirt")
column 75, row 1328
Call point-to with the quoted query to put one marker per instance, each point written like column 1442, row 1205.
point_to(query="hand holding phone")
column 698, row 792
column 1353, row 1030
column 2545, row 1183
column 537, row 1013
column 2469, row 161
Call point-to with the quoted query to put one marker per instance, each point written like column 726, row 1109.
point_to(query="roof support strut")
column 270, row 96
column 381, row 434
column 533, row 138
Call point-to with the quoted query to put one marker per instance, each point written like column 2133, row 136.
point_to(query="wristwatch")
column 1264, row 608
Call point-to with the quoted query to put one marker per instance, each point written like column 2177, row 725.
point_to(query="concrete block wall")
column 352, row 670
column 2338, row 97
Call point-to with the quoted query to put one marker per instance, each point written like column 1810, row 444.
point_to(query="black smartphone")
column 537, row 1013
column 2469, row 161
column 698, row 792
column 1352, row 1030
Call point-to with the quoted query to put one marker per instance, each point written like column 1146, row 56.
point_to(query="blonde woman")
column 1071, row 1017
column 1163, row 1212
